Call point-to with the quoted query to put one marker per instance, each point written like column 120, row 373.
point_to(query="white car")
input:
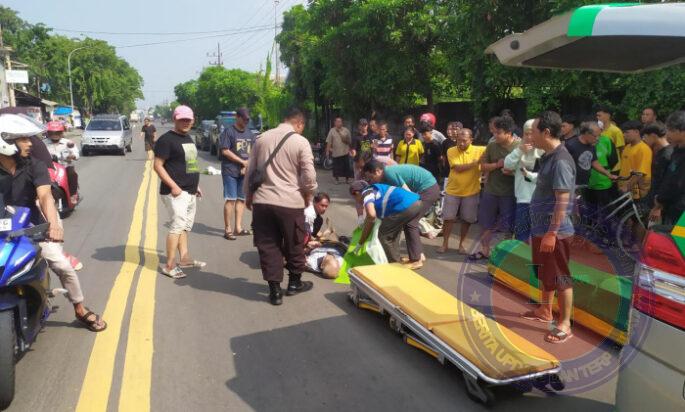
column 107, row 133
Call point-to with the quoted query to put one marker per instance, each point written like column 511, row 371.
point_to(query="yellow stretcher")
column 488, row 353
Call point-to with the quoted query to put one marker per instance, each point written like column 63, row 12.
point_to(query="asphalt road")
column 211, row 342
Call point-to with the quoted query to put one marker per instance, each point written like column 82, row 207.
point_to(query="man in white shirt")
column 66, row 152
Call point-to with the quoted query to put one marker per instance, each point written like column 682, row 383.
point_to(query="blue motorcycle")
column 24, row 291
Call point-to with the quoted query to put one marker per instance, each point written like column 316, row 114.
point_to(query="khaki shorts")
column 181, row 212
column 465, row 207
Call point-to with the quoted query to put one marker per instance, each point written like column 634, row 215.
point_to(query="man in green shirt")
column 601, row 190
column 498, row 203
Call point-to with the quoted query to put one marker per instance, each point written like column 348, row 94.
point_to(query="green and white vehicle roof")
column 629, row 37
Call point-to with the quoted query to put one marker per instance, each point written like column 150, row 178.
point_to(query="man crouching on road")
column 277, row 201
column 22, row 181
column 177, row 167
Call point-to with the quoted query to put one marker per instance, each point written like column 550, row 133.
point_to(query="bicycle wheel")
column 625, row 240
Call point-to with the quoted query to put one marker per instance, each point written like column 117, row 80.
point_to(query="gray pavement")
column 218, row 344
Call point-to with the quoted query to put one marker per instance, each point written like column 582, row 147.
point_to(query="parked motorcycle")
column 24, row 291
column 320, row 157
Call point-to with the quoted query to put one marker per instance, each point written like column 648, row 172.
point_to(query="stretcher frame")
column 364, row 296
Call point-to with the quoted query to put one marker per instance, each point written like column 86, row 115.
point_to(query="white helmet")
column 14, row 126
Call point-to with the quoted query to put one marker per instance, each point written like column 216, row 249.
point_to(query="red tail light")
column 659, row 289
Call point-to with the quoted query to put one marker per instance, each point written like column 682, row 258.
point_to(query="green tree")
column 103, row 82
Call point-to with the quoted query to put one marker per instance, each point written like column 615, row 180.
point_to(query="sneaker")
column 175, row 273
column 73, row 261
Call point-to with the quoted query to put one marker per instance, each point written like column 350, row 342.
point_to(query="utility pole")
column 275, row 42
column 7, row 91
column 218, row 55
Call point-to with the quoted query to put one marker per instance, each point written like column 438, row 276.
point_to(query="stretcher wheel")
column 354, row 295
column 395, row 324
column 524, row 386
column 556, row 383
column 479, row 391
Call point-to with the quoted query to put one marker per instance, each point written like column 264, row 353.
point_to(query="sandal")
column 194, row 264
column 530, row 315
column 175, row 273
column 558, row 336
column 91, row 324
column 244, row 232
column 230, row 236
column 478, row 256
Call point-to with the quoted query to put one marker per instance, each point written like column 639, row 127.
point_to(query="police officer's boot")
column 297, row 285
column 275, row 293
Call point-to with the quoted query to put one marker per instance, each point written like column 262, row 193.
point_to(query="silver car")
column 107, row 133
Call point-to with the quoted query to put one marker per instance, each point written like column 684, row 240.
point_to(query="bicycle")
column 621, row 210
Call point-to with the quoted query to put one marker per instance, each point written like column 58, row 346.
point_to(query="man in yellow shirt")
column 610, row 130
column 462, row 193
column 410, row 149
column 636, row 157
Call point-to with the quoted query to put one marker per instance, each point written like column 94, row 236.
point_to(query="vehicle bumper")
column 651, row 381
column 103, row 148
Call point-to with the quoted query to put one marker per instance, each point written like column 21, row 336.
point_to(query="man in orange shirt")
column 636, row 157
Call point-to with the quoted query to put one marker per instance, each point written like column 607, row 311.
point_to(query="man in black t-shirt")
column 362, row 146
column 432, row 154
column 177, row 167
column 23, row 181
column 149, row 134
column 582, row 149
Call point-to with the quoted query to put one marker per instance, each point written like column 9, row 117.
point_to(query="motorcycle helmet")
column 12, row 127
column 55, row 126
column 428, row 117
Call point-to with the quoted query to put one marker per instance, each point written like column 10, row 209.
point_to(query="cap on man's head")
column 183, row 113
column 243, row 113
column 358, row 186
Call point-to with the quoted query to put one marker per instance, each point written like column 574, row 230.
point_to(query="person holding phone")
column 521, row 161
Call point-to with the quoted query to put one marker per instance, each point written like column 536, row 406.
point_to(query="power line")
column 194, row 38
column 248, row 21
column 155, row 33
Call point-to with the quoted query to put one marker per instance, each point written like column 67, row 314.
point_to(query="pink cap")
column 183, row 112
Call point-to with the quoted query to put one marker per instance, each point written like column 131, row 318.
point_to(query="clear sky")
column 165, row 65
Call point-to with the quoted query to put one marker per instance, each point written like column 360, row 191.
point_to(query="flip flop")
column 478, row 256
column 230, row 236
column 195, row 264
column 530, row 315
column 244, row 232
column 560, row 336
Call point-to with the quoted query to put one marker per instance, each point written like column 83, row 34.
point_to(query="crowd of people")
column 525, row 182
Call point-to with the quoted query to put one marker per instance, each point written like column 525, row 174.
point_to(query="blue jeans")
column 233, row 187
column 522, row 222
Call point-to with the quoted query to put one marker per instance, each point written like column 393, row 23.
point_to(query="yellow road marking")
column 137, row 378
column 98, row 380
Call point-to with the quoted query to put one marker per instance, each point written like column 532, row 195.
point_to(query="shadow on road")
column 361, row 365
column 237, row 286
column 202, row 229
column 117, row 253
column 251, row 259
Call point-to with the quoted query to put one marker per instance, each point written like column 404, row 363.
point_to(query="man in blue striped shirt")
column 395, row 207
